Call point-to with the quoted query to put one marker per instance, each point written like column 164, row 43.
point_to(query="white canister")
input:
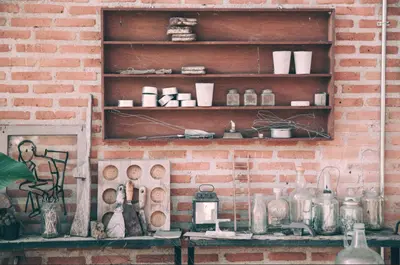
column 125, row 103
column 188, row 103
column 281, row 62
column 302, row 61
column 170, row 91
column 164, row 100
column 281, row 132
column 149, row 90
column 172, row 104
column 184, row 96
column 149, row 100
column 204, row 94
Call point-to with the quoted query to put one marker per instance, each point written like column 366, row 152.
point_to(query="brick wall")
column 50, row 61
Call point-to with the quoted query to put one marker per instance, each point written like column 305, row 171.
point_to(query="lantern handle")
column 323, row 170
column 206, row 185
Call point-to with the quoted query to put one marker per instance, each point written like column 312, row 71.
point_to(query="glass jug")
column 301, row 201
column 358, row 252
column 259, row 215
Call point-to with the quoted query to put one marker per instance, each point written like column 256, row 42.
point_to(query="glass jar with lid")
column 232, row 98
column 267, row 98
column 250, row 97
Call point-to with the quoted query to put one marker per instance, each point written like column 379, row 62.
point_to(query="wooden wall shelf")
column 235, row 46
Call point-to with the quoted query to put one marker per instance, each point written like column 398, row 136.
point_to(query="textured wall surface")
column 50, row 61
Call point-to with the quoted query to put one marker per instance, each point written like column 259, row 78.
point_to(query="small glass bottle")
column 259, row 215
column 267, row 98
column 301, row 200
column 358, row 252
column 50, row 223
column 278, row 210
column 233, row 98
column 250, row 97
column 350, row 212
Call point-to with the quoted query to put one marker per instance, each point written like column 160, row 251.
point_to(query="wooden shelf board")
column 208, row 9
column 221, row 140
column 228, row 108
column 113, row 75
column 218, row 43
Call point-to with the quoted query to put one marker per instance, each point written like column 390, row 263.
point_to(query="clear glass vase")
column 50, row 223
column 259, row 215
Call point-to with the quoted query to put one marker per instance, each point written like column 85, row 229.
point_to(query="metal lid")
column 350, row 200
column 250, row 91
column 267, row 91
column 233, row 91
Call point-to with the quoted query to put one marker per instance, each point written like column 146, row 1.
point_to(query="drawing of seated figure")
column 49, row 187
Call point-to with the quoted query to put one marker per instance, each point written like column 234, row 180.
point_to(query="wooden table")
column 35, row 242
column 384, row 238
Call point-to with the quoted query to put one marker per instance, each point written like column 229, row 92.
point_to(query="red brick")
column 393, row 35
column 213, row 178
column 80, row 49
column 2, row 75
column 2, row 21
column 71, row 1
column 180, row 178
column 5, row 48
column 394, row 115
column 292, row 178
column 289, row 2
column 343, row 23
column 55, row 35
column 33, row 102
column 91, row 62
column 31, row 76
column 42, row 48
column 393, row 11
column 89, row 35
column 229, row 165
column 358, row 62
column 252, row 154
column 3, row 102
column 348, row 102
column 111, row 260
column 352, row 36
column 247, row 257
column 167, row 154
column 334, row 2
column 75, row 22
column 276, row 166
column 66, row 260
column 153, row 258
column 184, row 206
column 323, row 256
column 14, row 115
column 191, row 166
column 393, row 63
column 203, row 2
column 292, row 154
column 355, row 11
column 30, row 22
column 9, row 8
column 85, row 76
column 361, row 89
column 89, row 89
column 44, row 89
column 372, row 23
column 84, row 10
column 286, row 256
column 360, row 140
column 61, row 62
column 347, row 76
column 345, row 49
column 13, row 88
column 183, row 191
column 43, row 8
column 363, row 115
column 211, row 154
column 57, row 115
column 203, row 258
column 340, row 153
column 17, row 62
column 15, row 34
column 377, row 49
column 377, row 75
column 123, row 154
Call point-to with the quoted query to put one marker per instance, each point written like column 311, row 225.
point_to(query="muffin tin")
column 152, row 174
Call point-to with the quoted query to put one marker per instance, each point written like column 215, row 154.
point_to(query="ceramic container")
column 302, row 61
column 125, row 103
column 149, row 90
column 281, row 61
column 204, row 93
column 149, row 100
column 188, row 103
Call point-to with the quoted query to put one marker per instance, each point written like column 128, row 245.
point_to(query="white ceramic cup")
column 281, row 62
column 204, row 93
column 302, row 61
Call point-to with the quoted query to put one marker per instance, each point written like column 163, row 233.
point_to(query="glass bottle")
column 350, row 212
column 267, row 98
column 233, row 98
column 326, row 211
column 301, row 200
column 50, row 223
column 250, row 97
column 259, row 215
column 372, row 204
column 278, row 210
column 358, row 252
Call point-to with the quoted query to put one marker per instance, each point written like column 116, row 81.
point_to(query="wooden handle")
column 142, row 197
column 129, row 190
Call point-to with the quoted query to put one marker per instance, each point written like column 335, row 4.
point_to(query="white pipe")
column 383, row 104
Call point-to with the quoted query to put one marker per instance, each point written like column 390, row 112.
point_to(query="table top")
column 86, row 242
column 383, row 238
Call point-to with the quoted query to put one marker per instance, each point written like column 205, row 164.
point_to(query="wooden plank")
column 194, row 43
column 238, row 75
column 240, row 108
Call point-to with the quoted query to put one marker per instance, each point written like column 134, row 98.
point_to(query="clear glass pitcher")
column 358, row 252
